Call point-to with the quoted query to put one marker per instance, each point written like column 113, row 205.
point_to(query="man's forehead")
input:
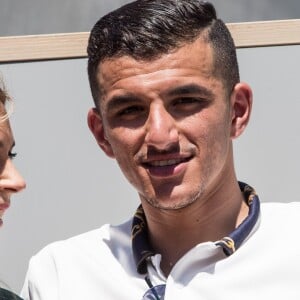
column 197, row 55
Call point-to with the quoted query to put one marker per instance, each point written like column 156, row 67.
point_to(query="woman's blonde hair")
column 4, row 100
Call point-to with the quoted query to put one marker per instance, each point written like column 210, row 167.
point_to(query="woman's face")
column 10, row 180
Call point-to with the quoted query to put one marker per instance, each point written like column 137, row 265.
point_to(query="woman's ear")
column 241, row 105
column 96, row 126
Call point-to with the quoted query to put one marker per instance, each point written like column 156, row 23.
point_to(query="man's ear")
column 241, row 105
column 96, row 126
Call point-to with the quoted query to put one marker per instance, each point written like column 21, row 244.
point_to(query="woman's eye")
column 12, row 155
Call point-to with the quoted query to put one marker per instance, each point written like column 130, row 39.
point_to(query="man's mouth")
column 167, row 162
column 166, row 165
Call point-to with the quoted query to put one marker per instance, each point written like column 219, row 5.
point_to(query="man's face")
column 168, row 123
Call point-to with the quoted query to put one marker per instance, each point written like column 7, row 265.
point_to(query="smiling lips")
column 165, row 167
column 169, row 162
column 3, row 207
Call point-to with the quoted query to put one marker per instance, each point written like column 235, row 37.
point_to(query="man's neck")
column 173, row 233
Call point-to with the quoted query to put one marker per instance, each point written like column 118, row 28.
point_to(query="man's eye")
column 12, row 155
column 188, row 100
column 131, row 110
column 189, row 103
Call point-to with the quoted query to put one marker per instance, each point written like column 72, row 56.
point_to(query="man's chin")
column 173, row 204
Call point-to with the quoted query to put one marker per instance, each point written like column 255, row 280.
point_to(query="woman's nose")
column 11, row 179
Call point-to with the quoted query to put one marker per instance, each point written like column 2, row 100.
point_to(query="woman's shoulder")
column 8, row 295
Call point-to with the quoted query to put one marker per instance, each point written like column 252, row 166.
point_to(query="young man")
column 168, row 103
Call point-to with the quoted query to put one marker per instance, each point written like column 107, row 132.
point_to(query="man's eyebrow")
column 129, row 98
column 120, row 100
column 190, row 89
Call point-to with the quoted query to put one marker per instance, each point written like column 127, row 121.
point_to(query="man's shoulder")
column 105, row 232
column 80, row 261
column 92, row 243
column 281, row 214
column 280, row 207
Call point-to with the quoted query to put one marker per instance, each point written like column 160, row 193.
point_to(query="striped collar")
column 142, row 249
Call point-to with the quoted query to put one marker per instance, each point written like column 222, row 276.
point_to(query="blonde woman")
column 10, row 180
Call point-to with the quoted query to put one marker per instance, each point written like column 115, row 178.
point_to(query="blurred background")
column 71, row 186
column 18, row 17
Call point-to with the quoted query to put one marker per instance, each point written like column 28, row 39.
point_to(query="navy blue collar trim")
column 234, row 240
column 140, row 243
column 142, row 249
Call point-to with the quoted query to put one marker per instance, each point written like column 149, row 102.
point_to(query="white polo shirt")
column 102, row 264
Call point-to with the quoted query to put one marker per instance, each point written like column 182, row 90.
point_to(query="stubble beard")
column 179, row 204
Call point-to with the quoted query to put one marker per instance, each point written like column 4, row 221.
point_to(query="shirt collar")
column 142, row 249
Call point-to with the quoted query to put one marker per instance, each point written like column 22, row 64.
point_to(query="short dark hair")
column 148, row 29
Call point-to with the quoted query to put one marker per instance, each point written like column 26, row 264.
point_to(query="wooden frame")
column 73, row 45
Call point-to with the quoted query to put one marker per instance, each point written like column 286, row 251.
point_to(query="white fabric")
column 99, row 265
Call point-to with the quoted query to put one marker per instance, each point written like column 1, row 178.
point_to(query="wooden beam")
column 43, row 47
column 73, row 45
column 268, row 33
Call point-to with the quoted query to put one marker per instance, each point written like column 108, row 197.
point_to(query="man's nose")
column 161, row 128
column 10, row 179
